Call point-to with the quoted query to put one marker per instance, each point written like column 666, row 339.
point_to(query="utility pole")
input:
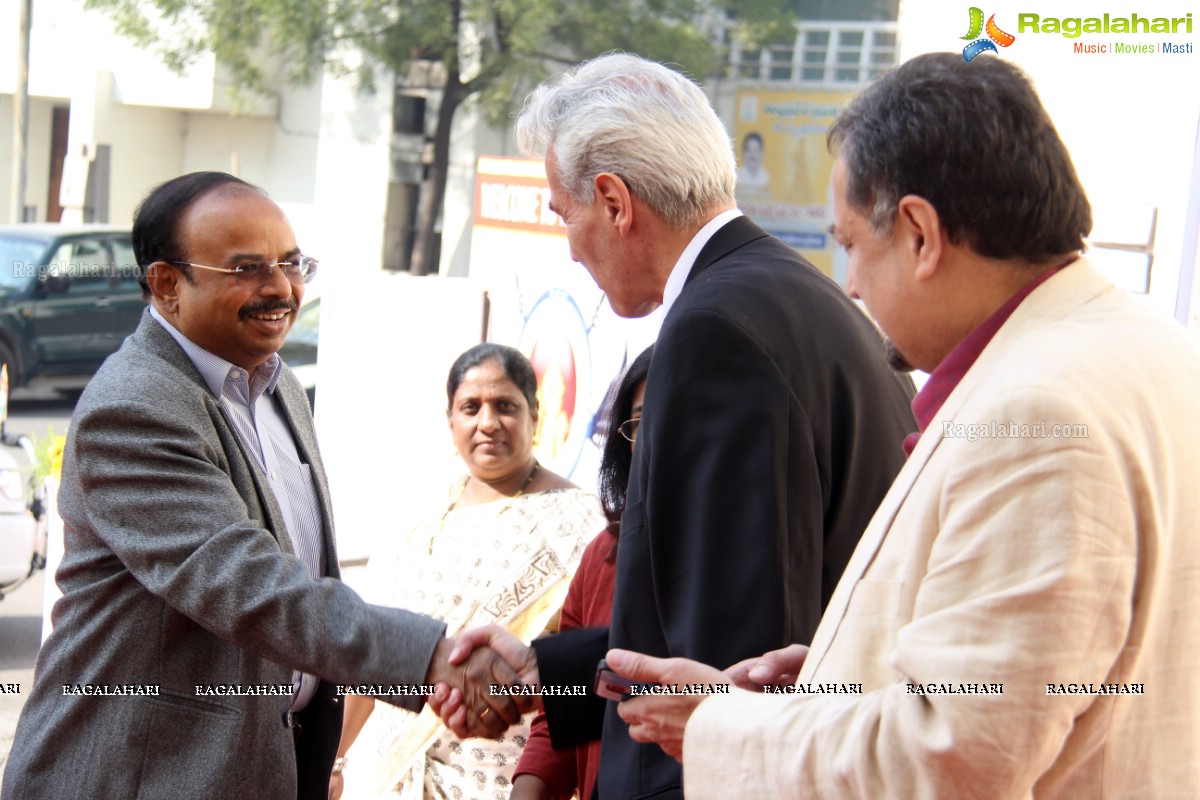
column 21, row 113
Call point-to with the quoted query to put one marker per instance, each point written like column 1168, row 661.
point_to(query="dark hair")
column 616, row 458
column 752, row 136
column 512, row 363
column 156, row 220
column 972, row 139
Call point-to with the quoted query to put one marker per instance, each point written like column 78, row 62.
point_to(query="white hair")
column 641, row 121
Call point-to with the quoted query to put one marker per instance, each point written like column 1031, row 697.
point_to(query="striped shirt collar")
column 215, row 370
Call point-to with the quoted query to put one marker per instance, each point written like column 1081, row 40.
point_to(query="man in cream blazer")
column 1019, row 619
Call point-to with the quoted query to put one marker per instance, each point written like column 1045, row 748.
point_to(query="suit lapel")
column 1061, row 294
column 266, row 498
column 299, row 418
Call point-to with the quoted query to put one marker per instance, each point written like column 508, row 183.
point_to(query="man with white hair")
column 772, row 424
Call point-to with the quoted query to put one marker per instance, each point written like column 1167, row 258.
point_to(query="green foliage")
column 261, row 42
column 47, row 456
column 499, row 47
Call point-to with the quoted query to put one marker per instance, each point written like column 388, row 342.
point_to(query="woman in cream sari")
column 502, row 552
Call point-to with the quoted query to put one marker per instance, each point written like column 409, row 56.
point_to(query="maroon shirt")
column 950, row 370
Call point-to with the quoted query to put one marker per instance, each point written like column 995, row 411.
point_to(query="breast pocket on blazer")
column 633, row 520
column 634, row 610
column 670, row 793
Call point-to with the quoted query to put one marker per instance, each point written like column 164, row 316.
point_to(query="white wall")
column 387, row 343
column 37, row 155
column 345, row 220
column 471, row 138
column 157, row 123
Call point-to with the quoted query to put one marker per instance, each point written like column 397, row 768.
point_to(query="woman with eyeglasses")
column 500, row 550
column 544, row 773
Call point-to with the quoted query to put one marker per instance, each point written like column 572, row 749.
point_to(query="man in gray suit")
column 202, row 625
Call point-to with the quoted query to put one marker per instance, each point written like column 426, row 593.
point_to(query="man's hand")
column 521, row 658
column 776, row 668
column 661, row 718
column 481, row 713
column 456, row 708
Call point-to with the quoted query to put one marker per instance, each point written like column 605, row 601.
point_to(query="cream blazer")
column 1053, row 567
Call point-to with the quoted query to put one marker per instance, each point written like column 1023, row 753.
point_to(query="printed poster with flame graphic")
column 554, row 364
column 555, row 337
column 549, row 308
column 784, row 167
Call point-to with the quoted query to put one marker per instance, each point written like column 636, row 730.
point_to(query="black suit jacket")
column 771, row 429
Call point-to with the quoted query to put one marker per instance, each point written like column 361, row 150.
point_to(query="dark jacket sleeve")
column 570, row 659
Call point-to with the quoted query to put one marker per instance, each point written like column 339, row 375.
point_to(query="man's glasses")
column 629, row 428
column 301, row 269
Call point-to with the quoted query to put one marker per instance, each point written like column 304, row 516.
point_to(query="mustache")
column 268, row 306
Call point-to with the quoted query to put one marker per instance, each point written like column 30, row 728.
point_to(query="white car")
column 22, row 529
column 21, row 550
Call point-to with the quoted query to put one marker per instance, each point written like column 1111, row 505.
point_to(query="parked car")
column 69, row 296
column 21, row 546
column 22, row 517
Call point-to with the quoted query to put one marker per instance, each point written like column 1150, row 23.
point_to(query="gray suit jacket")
column 178, row 572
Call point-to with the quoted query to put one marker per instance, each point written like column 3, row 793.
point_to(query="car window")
column 307, row 325
column 19, row 260
column 86, row 264
column 126, row 264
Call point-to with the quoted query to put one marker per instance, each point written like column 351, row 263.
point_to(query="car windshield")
column 19, row 260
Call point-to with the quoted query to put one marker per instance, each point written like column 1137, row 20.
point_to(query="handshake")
column 465, row 669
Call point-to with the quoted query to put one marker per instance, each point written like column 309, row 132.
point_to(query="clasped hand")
column 465, row 669
column 662, row 718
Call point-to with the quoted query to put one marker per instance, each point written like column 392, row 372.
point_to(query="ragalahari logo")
column 994, row 37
